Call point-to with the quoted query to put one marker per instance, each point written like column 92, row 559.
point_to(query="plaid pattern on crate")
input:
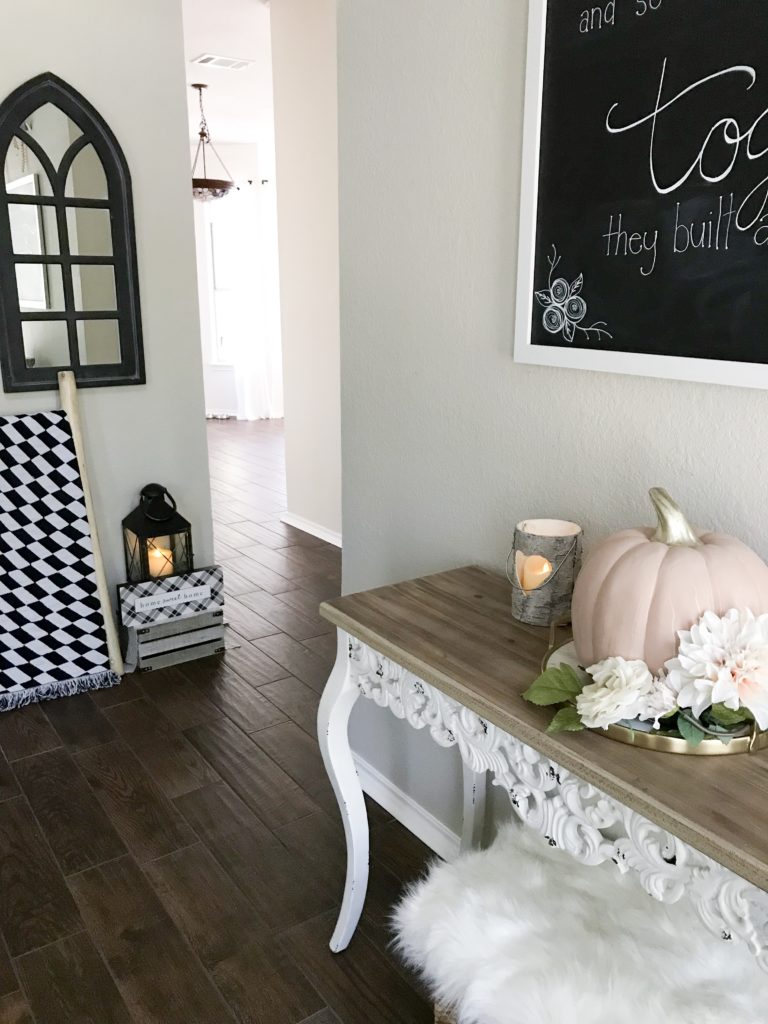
column 52, row 637
column 163, row 599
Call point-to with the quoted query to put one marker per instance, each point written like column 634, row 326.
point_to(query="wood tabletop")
column 454, row 630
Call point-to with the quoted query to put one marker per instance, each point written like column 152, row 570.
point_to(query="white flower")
column 620, row 691
column 560, row 290
column 576, row 309
column 723, row 661
column 554, row 319
column 660, row 702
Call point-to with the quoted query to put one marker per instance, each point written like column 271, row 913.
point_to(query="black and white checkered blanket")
column 52, row 637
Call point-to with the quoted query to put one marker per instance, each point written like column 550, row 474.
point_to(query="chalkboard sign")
column 644, row 217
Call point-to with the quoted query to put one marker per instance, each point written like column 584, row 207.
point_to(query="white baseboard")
column 433, row 833
column 300, row 523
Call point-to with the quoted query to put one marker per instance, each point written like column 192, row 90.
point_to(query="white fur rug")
column 523, row 934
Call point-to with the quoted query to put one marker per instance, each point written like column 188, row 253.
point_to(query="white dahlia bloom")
column 723, row 661
column 620, row 691
column 660, row 702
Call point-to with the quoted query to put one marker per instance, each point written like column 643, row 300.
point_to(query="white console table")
column 443, row 653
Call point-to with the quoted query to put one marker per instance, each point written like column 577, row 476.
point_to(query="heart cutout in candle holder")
column 532, row 571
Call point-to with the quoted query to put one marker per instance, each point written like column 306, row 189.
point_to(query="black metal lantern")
column 157, row 538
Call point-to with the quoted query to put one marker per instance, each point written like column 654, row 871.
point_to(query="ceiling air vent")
column 211, row 60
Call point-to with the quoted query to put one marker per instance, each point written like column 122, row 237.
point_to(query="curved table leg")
column 339, row 697
column 475, row 793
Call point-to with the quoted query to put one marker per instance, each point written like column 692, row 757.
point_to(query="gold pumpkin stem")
column 754, row 738
column 674, row 528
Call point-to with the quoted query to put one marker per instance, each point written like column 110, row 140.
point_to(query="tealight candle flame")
column 534, row 572
column 161, row 562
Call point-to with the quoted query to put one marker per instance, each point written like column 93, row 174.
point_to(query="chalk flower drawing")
column 564, row 307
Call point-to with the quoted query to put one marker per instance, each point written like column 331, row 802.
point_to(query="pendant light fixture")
column 206, row 188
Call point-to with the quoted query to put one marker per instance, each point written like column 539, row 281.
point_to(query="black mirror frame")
column 17, row 376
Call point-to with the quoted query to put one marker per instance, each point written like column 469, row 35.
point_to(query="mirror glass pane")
column 34, row 231
column 39, row 287
column 53, row 131
column 98, row 341
column 45, row 343
column 86, row 178
column 94, row 287
column 23, row 173
column 89, row 231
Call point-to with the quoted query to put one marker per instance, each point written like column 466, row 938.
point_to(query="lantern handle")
column 158, row 491
column 171, row 499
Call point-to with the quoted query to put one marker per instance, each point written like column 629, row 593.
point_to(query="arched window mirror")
column 69, row 295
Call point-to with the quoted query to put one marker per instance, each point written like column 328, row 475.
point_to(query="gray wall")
column 157, row 431
column 304, row 80
column 446, row 441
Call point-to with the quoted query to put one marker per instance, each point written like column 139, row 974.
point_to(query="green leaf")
column 555, row 686
column 566, row 720
column 690, row 732
column 727, row 718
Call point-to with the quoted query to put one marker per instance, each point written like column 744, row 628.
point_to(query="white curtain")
column 241, row 324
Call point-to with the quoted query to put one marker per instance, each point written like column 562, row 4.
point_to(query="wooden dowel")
column 71, row 406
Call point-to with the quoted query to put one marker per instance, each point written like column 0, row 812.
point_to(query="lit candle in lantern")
column 160, row 562
column 157, row 539
column 536, row 570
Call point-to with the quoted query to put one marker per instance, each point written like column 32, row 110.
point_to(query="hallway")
column 171, row 851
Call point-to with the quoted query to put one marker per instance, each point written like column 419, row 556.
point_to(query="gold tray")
column 565, row 654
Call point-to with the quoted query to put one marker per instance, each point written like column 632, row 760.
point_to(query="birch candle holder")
column 542, row 568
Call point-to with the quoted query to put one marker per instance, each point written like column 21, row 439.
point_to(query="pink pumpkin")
column 639, row 587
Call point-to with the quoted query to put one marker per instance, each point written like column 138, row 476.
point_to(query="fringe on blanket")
column 64, row 688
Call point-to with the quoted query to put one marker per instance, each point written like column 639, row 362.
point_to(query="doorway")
column 236, row 234
column 271, row 320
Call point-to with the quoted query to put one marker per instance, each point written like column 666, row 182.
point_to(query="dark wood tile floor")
column 170, row 850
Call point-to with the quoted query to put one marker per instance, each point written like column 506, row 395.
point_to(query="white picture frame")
column 709, row 371
column 32, row 278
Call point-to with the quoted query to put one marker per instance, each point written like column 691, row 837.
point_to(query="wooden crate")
column 173, row 643
column 172, row 619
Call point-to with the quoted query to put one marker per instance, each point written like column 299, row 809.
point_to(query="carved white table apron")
column 571, row 813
